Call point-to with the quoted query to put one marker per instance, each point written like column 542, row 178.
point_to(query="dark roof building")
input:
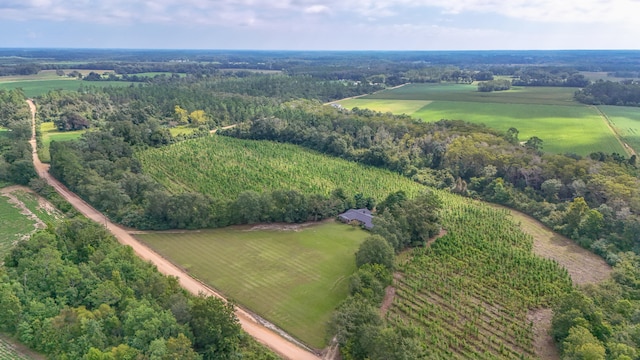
column 363, row 216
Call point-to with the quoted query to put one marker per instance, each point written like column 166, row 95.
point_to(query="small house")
column 363, row 216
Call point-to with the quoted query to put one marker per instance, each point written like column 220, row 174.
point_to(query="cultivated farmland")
column 223, row 167
column 294, row 278
column 548, row 113
column 470, row 291
column 626, row 121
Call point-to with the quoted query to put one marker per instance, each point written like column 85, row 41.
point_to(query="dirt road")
column 261, row 333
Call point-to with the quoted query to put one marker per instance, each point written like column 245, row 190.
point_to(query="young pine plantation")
column 221, row 166
column 467, row 295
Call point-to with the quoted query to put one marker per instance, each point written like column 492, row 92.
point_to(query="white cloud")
column 317, row 9
column 565, row 11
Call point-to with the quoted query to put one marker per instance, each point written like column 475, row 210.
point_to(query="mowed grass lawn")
column 50, row 133
column 13, row 225
column 295, row 279
column 549, row 113
column 626, row 120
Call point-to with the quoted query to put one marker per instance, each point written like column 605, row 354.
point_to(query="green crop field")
column 577, row 129
column 470, row 291
column 292, row 278
column 13, row 225
column 9, row 352
column 223, row 166
column 548, row 113
column 45, row 81
column 626, row 121
column 49, row 134
column 385, row 105
column 466, row 92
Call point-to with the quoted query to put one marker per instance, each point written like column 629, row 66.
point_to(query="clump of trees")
column 494, row 85
column 356, row 324
column 601, row 319
column 15, row 131
column 626, row 93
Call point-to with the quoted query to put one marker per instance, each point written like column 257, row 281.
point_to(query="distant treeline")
column 626, row 93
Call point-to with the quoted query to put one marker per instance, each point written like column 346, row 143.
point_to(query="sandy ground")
column 277, row 343
column 583, row 266
column 359, row 96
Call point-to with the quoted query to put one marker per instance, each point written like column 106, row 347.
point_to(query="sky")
column 322, row 25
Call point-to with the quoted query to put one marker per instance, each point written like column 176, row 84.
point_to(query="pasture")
column 548, row 113
column 470, row 292
column 293, row 278
column 50, row 133
column 222, row 166
column 626, row 121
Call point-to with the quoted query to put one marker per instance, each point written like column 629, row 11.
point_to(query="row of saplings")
column 356, row 324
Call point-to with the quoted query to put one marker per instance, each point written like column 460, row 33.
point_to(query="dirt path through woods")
column 273, row 340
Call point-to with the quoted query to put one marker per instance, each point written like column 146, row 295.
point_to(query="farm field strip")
column 626, row 120
column 33, row 88
column 471, row 290
column 385, row 105
column 292, row 278
column 468, row 93
column 223, row 167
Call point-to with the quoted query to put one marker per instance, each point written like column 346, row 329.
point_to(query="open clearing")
column 546, row 112
column 584, row 266
column 49, row 134
column 15, row 222
column 293, row 278
column 626, row 120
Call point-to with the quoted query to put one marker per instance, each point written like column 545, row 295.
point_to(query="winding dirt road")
column 275, row 341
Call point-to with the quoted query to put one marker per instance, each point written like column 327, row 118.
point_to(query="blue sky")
column 318, row 25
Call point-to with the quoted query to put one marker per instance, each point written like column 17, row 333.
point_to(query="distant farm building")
column 363, row 216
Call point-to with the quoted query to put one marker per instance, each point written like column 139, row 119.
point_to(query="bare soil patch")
column 583, row 266
column 543, row 344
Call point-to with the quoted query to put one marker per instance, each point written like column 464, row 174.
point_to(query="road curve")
column 261, row 333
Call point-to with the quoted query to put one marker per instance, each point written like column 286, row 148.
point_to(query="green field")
column 626, row 121
column 223, row 167
column 292, row 278
column 548, row 113
column 13, row 225
column 50, row 133
column 182, row 130
column 47, row 80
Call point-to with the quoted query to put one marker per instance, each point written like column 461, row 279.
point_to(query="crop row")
column 471, row 289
